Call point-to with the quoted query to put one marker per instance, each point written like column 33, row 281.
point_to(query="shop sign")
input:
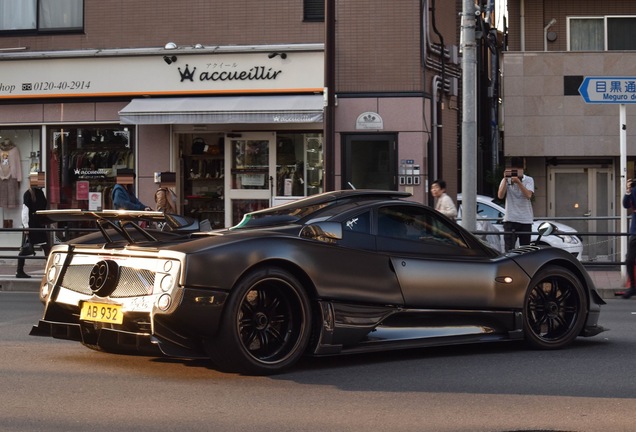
column 369, row 120
column 153, row 75
column 252, row 179
column 92, row 173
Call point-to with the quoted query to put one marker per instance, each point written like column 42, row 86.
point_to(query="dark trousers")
column 630, row 261
column 513, row 228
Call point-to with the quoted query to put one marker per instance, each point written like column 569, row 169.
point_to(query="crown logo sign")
column 186, row 74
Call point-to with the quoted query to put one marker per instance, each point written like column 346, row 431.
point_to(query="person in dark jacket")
column 125, row 199
column 33, row 200
column 629, row 202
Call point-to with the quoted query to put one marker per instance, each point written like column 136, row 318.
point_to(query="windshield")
column 276, row 216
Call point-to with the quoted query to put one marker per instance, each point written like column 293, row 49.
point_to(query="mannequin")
column 10, row 174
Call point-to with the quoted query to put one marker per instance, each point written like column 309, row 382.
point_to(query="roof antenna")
column 351, row 186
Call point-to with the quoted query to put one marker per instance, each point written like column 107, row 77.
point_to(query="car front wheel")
column 266, row 324
column 555, row 308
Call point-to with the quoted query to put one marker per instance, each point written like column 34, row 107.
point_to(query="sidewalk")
column 607, row 281
column 8, row 281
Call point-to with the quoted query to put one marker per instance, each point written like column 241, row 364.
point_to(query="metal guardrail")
column 67, row 233
column 61, row 233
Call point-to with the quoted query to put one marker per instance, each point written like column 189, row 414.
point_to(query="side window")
column 487, row 212
column 359, row 224
column 417, row 224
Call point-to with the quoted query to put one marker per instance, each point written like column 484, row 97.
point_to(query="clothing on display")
column 10, row 174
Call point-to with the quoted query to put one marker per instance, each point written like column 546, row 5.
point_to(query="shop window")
column 202, row 162
column 85, row 162
column 299, row 164
column 19, row 157
column 41, row 16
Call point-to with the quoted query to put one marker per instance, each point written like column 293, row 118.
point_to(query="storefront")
column 240, row 126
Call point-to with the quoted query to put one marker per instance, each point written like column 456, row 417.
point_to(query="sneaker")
column 22, row 275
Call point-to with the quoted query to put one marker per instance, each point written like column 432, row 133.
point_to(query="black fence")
column 608, row 240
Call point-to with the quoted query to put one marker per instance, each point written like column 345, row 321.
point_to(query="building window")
column 609, row 33
column 313, row 10
column 41, row 16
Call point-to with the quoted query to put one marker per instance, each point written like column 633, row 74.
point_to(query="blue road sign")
column 609, row 90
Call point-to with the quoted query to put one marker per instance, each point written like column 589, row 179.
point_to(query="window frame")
column 39, row 30
column 605, row 19
column 313, row 10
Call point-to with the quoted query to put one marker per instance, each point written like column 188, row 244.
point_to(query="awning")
column 230, row 109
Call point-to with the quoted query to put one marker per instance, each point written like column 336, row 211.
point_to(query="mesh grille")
column 132, row 282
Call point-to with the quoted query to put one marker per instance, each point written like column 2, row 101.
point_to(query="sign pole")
column 623, row 181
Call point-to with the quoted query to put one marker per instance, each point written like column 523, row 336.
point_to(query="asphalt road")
column 54, row 385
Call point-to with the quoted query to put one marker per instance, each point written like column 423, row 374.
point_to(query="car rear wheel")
column 555, row 308
column 266, row 324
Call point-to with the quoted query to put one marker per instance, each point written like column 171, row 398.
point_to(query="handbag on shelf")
column 27, row 247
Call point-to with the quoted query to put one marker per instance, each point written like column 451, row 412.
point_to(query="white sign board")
column 153, row 75
column 608, row 90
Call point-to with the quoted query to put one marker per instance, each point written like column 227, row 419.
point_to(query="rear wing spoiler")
column 120, row 220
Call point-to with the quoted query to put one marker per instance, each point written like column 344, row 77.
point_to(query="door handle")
column 588, row 214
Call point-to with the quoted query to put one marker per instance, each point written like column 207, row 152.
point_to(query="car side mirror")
column 323, row 231
column 545, row 229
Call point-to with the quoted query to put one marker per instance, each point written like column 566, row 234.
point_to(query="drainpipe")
column 522, row 25
column 437, row 84
column 545, row 33
column 438, row 142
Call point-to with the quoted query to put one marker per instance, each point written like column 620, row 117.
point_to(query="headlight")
column 163, row 302
column 50, row 275
column 166, row 282
column 569, row 239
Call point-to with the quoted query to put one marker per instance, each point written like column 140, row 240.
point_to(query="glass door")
column 250, row 168
column 370, row 162
column 586, row 195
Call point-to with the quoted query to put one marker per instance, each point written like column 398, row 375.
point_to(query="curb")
column 11, row 283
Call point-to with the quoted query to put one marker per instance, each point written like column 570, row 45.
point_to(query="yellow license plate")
column 101, row 312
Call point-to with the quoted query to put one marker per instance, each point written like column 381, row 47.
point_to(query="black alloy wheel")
column 555, row 309
column 266, row 324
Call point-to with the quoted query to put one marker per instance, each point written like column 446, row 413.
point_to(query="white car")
column 487, row 208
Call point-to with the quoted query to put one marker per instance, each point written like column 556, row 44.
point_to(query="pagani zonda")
column 341, row 272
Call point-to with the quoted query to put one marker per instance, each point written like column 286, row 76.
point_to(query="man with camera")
column 518, row 189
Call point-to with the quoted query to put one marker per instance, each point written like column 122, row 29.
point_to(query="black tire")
column 266, row 324
column 555, row 309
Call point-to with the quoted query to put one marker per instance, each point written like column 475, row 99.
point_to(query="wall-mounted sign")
column 152, row 75
column 609, row 90
column 369, row 120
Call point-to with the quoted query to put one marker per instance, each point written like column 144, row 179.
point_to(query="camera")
column 512, row 173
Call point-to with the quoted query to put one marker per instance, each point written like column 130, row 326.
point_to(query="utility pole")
column 330, row 96
column 469, row 116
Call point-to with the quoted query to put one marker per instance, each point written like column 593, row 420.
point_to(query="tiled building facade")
column 383, row 135
column 571, row 146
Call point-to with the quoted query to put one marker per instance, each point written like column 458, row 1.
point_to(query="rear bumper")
column 179, row 333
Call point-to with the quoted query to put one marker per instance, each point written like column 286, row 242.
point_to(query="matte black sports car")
column 337, row 273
